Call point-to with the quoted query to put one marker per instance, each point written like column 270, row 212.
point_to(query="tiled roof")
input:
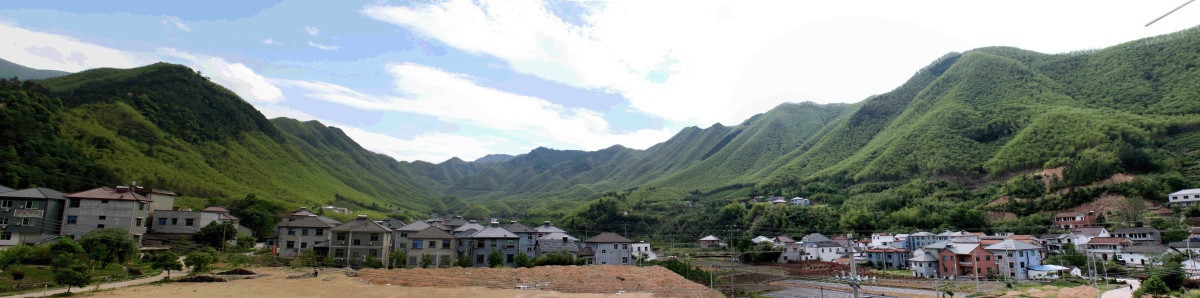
column 1088, row 231
column 1012, row 244
column 923, row 257
column 1184, row 245
column 494, row 231
column 456, row 221
column 516, row 227
column 784, row 239
column 548, row 227
column 34, row 193
column 1069, row 214
column 217, row 209
column 1186, row 191
column 469, row 226
column 329, row 220
column 921, row 233
column 608, row 237
column 586, row 251
column 1195, row 231
column 147, row 190
column 1134, row 230
column 362, row 224
column 107, row 193
column 710, row 238
column 962, row 248
column 415, row 226
column 4, row 189
column 557, row 236
column 306, row 222
column 814, row 237
column 1107, row 240
column 431, row 233
column 887, row 250
column 1148, row 248
column 392, row 223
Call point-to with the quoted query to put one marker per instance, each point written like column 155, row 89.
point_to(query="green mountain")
column 10, row 70
column 166, row 126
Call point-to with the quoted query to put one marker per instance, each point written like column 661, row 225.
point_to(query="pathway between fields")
column 111, row 285
column 1123, row 292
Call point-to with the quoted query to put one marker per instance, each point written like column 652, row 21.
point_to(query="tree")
column 1154, row 286
column 495, row 259
column 166, row 261
column 372, row 262
column 476, row 211
column 397, row 259
column 463, row 261
column 65, row 247
column 215, row 233
column 522, row 260
column 198, row 260
column 76, row 275
column 14, row 255
column 1172, row 275
column 258, row 215
column 426, row 261
column 108, row 245
column 445, row 262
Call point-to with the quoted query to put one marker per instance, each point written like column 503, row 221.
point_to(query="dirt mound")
column 567, row 279
column 238, row 271
column 202, row 278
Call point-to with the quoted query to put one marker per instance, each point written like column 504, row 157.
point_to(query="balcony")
column 966, row 264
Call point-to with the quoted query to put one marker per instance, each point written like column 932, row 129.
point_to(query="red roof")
column 887, row 250
column 108, row 193
column 1108, row 240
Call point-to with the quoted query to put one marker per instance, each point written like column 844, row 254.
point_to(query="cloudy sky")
column 430, row 80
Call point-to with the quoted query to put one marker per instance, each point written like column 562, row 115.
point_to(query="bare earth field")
column 426, row 283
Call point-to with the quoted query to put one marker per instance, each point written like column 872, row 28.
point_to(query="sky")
column 431, row 80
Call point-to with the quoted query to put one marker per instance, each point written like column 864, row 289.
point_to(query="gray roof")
column 494, row 231
column 921, row 233
column 456, row 221
column 362, row 224
column 814, row 237
column 937, row 245
column 548, row 227
column 35, row 193
column 469, row 226
column 608, row 237
column 962, row 248
column 1010, row 244
column 923, row 257
column 431, row 233
column 392, row 223
column 1147, row 248
column 1088, row 231
column 415, row 226
column 710, row 238
column 1134, row 230
column 828, row 244
column 1185, row 244
column 516, row 227
column 557, row 236
column 306, row 222
column 465, row 234
column 4, row 189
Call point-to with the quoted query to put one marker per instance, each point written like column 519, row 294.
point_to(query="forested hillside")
column 962, row 144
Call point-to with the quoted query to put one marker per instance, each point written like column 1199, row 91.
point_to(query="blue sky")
column 430, row 80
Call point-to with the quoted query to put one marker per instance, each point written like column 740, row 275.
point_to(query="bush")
column 238, row 271
column 495, row 259
column 558, row 259
column 372, row 262
column 202, row 278
column 199, row 260
column 522, row 260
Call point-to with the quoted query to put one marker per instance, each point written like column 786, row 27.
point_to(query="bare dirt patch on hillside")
column 1106, row 202
column 998, row 215
column 329, row 283
column 606, row 279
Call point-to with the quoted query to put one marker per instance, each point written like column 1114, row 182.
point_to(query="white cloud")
column 432, row 147
column 235, row 76
column 271, row 41
column 311, row 30
column 703, row 62
column 455, row 98
column 171, row 20
column 57, row 52
column 321, row 46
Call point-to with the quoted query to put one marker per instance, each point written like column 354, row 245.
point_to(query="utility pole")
column 854, row 279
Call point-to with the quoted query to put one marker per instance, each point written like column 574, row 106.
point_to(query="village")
column 39, row 216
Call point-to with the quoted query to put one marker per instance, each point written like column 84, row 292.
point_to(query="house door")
column 1104, row 256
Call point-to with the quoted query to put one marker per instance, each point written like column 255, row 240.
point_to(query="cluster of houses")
column 971, row 255
column 40, row 215
column 444, row 240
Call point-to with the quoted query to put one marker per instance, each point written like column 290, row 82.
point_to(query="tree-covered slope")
column 9, row 70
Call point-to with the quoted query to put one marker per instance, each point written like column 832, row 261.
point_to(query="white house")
column 1081, row 236
column 798, row 201
column 1142, row 255
column 1184, row 198
column 610, row 248
column 760, row 239
column 1107, row 248
column 1047, row 271
column 879, row 240
column 1015, row 257
column 824, row 251
column 642, row 250
column 1192, row 267
column 791, row 251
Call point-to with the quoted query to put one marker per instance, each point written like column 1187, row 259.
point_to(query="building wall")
column 117, row 214
column 548, row 246
column 301, row 239
column 888, row 260
column 1015, row 264
column 439, row 249
column 161, row 202
column 924, row 269
column 344, row 248
column 526, row 243
column 181, row 222
column 612, row 253
column 19, row 220
column 480, row 248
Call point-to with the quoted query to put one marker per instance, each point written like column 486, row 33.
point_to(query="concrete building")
column 300, row 235
column 556, row 243
column 1184, row 198
column 401, row 241
column 1076, row 219
column 1079, row 237
column 1141, row 255
column 1106, row 248
column 187, row 221
column 965, row 260
column 440, row 246
column 493, row 238
column 924, row 264
column 527, row 237
column 547, row 228
column 28, row 215
column 1139, row 235
column 610, row 248
column 642, row 250
column 106, row 207
column 882, row 240
column 160, row 199
column 353, row 241
column 710, row 241
column 888, row 257
column 919, row 240
column 1014, row 258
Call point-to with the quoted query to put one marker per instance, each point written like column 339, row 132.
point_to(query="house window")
column 341, row 236
column 138, row 222
column 175, row 221
column 26, row 221
column 189, row 221
column 357, row 241
column 141, row 206
column 446, row 243
column 3, row 220
column 479, row 243
column 614, row 246
column 987, row 258
column 72, row 219
column 74, row 203
column 508, row 258
column 100, row 226
column 6, row 236
column 303, row 232
column 7, row 204
column 30, row 204
column 373, row 252
column 162, row 221
column 374, row 237
column 102, row 217
column 103, row 201
column 339, row 253
column 510, row 243
column 625, row 260
column 624, row 246
column 417, row 244
column 291, row 244
column 292, row 232
column 479, row 259
column 432, row 244
column 320, row 232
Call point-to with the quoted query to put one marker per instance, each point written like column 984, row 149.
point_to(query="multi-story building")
column 299, row 235
column 1076, row 219
column 1014, row 258
column 187, row 221
column 106, row 207
column 919, row 240
column 353, row 241
column 1184, row 198
column 965, row 260
column 30, row 215
column 527, row 237
column 492, row 238
column 1139, row 235
column 557, row 243
column 401, row 234
column 439, row 245
column 610, row 248
column 1106, row 248
column 888, row 258
column 547, row 228
column 924, row 263
column 160, row 199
